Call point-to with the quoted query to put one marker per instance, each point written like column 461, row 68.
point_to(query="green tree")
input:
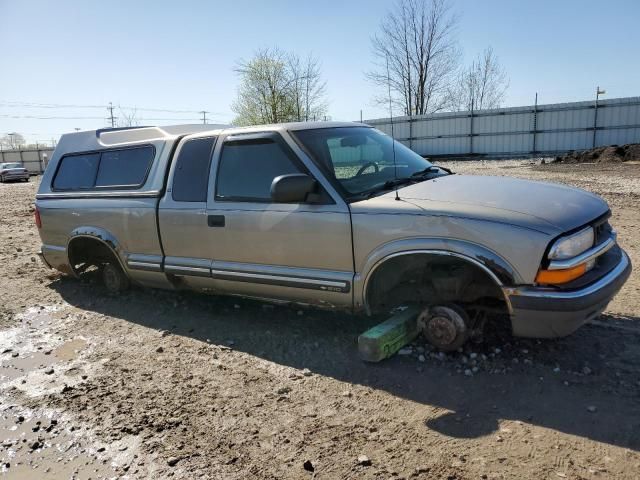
column 276, row 86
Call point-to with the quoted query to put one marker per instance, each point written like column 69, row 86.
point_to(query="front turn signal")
column 556, row 277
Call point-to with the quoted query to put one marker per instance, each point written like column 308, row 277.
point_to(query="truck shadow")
column 598, row 366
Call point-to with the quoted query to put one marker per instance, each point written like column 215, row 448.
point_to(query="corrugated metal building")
column 535, row 130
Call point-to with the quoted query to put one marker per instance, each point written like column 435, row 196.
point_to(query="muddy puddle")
column 34, row 361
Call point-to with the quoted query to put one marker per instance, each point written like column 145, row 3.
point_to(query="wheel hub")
column 445, row 327
column 442, row 329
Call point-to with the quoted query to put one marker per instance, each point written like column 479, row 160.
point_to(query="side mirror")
column 292, row 188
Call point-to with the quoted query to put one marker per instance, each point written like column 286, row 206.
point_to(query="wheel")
column 444, row 326
column 114, row 279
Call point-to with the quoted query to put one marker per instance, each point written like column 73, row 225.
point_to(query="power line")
column 15, row 104
column 35, row 117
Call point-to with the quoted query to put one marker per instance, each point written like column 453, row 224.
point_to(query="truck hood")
column 546, row 207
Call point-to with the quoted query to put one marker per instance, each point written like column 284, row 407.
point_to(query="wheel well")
column 429, row 278
column 85, row 251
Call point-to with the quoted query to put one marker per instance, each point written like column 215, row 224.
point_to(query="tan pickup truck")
column 330, row 214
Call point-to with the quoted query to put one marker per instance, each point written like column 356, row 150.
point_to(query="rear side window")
column 122, row 168
column 191, row 175
column 77, row 172
column 247, row 169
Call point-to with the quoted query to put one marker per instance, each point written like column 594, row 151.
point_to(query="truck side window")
column 77, row 172
column 113, row 168
column 191, row 175
column 247, row 169
column 124, row 167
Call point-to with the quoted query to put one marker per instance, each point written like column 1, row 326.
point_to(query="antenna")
column 393, row 138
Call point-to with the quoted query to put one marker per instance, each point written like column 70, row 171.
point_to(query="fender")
column 500, row 270
column 101, row 235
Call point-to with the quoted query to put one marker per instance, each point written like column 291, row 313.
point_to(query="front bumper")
column 547, row 313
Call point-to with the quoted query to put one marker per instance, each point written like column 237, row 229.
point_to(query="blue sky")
column 181, row 55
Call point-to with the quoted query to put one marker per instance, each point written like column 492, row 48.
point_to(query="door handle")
column 215, row 220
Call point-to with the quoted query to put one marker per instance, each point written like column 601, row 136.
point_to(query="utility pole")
column 595, row 115
column 535, row 123
column 204, row 116
column 111, row 117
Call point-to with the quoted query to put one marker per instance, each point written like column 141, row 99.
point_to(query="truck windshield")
column 361, row 158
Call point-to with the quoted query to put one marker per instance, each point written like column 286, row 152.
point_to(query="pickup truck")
column 330, row 214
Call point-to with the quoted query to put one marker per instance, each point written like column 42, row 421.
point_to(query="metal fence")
column 33, row 159
column 537, row 130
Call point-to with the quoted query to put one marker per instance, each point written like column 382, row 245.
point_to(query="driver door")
column 287, row 251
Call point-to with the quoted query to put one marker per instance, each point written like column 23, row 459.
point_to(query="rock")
column 49, row 371
column 473, row 355
column 159, row 349
column 421, row 358
column 236, row 306
column 165, row 333
column 20, row 419
column 14, row 354
column 556, row 370
column 468, row 372
column 172, row 461
column 405, row 351
column 308, row 466
column 592, row 408
column 283, row 390
column 364, row 461
column 586, row 371
column 347, row 393
column 36, row 445
column 306, row 372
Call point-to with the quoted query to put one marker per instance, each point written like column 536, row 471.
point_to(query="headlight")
column 572, row 245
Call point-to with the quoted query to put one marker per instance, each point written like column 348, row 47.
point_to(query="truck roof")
column 118, row 136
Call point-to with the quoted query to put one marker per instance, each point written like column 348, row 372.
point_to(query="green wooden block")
column 388, row 337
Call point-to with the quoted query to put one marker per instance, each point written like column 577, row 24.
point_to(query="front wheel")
column 114, row 279
column 444, row 326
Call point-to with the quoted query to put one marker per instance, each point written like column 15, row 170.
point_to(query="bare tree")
column 12, row 141
column 308, row 89
column 128, row 118
column 482, row 85
column 278, row 87
column 417, row 42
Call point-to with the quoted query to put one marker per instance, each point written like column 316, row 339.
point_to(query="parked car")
column 336, row 215
column 13, row 171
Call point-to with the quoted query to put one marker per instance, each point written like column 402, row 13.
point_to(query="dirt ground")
column 159, row 385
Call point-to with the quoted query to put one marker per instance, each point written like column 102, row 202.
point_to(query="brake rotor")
column 445, row 327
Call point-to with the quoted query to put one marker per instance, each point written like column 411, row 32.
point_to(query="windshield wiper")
column 430, row 169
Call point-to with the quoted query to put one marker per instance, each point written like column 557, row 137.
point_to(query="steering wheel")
column 367, row 165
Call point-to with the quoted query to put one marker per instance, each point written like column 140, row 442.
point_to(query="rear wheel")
column 114, row 279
